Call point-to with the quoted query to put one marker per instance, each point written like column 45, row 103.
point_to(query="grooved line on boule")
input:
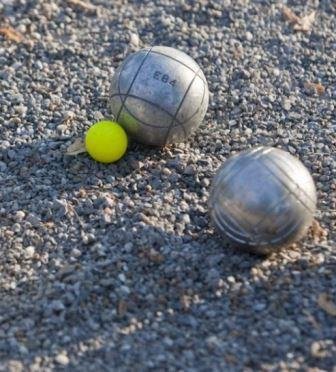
column 229, row 229
column 131, row 85
column 199, row 107
column 146, row 101
column 257, row 153
column 290, row 191
column 179, row 107
column 179, row 123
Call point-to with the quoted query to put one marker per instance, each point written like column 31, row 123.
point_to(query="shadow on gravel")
column 124, row 286
column 209, row 317
column 42, row 158
column 115, row 298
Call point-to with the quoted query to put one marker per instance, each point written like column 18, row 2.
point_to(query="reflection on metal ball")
column 262, row 199
column 159, row 95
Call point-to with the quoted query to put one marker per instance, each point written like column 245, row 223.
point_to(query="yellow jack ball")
column 106, row 141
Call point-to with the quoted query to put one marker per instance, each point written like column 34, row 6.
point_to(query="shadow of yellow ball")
column 106, row 141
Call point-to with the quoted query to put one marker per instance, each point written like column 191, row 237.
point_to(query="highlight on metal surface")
column 159, row 95
column 262, row 199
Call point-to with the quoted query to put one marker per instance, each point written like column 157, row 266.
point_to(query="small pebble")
column 29, row 252
column 62, row 359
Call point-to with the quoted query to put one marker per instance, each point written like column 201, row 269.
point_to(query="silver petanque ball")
column 262, row 199
column 159, row 95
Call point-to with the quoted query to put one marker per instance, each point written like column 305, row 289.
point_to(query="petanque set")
column 261, row 199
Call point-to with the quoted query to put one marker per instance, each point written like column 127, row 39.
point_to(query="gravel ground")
column 117, row 267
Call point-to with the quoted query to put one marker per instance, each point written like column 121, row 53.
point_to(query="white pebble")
column 76, row 252
column 29, row 251
column 249, row 36
column 62, row 359
column 19, row 215
column 286, row 104
column 134, row 40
